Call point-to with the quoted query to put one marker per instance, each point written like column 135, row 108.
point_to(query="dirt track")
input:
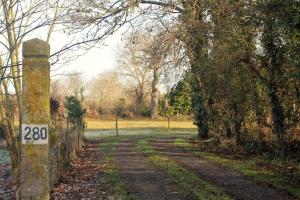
column 233, row 183
column 143, row 181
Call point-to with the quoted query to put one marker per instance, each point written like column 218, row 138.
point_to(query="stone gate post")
column 34, row 163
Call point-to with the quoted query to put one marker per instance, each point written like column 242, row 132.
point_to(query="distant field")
column 96, row 128
column 110, row 124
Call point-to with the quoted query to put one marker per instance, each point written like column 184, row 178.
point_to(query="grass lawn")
column 100, row 128
column 125, row 124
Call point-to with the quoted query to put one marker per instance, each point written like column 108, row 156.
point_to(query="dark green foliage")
column 54, row 106
column 163, row 107
column 244, row 68
column 74, row 109
column 278, row 24
column 180, row 97
column 120, row 107
column 244, row 59
column 200, row 115
column 145, row 111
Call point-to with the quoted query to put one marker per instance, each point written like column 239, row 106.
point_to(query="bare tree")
column 104, row 92
column 163, row 58
column 20, row 20
column 134, row 68
column 76, row 86
column 156, row 52
column 17, row 20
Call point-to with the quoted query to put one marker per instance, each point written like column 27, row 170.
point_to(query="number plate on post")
column 35, row 133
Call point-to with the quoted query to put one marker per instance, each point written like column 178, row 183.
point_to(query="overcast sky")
column 95, row 61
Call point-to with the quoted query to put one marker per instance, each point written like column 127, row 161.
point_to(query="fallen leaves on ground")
column 85, row 181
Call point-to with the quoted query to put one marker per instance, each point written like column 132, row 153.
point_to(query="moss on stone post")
column 34, row 163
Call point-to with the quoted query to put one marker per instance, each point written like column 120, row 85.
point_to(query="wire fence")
column 63, row 150
column 65, row 143
column 6, row 191
column 4, row 153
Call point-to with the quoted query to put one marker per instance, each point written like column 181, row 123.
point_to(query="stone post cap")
column 36, row 48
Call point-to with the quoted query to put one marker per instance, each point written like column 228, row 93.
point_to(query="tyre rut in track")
column 233, row 183
column 143, row 181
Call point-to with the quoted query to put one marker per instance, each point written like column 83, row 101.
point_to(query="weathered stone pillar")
column 34, row 166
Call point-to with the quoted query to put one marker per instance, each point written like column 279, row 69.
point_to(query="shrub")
column 145, row 111
column 74, row 109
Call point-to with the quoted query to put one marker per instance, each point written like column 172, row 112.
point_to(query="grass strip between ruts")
column 191, row 185
column 111, row 173
column 245, row 167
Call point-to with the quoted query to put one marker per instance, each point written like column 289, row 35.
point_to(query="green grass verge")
column 187, row 182
column 247, row 168
column 140, row 132
column 111, row 174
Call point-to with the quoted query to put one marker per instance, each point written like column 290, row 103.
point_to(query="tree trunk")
column 9, row 17
column 117, row 128
column 169, row 127
column 154, row 93
column 237, row 121
column 194, row 41
column 278, row 126
column 237, row 130
column 227, row 129
column 202, row 132
column 11, row 138
column 140, row 95
column 12, row 141
column 200, row 116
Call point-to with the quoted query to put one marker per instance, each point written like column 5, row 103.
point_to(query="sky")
column 98, row 59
